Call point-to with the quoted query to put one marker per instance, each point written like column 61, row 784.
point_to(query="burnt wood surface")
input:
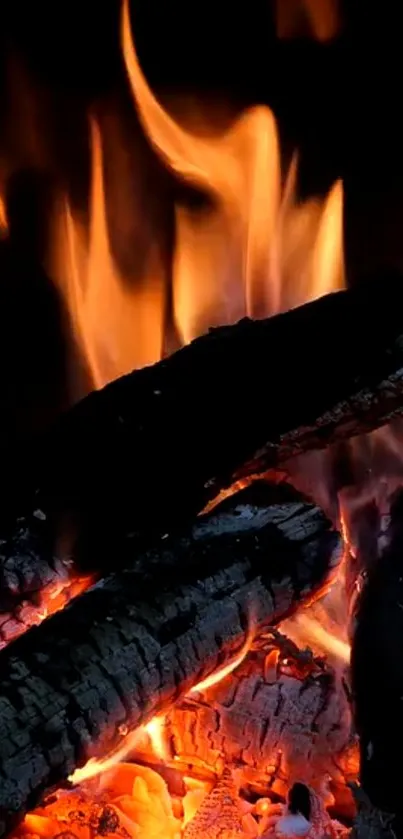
column 127, row 648
column 33, row 581
column 150, row 450
column 377, row 679
column 274, row 722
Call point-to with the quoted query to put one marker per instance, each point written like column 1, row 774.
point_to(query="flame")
column 224, row 671
column 118, row 323
column 3, row 218
column 230, row 258
column 246, row 248
column 153, row 730
column 311, row 631
column 322, row 18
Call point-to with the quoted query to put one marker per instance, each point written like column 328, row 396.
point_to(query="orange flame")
column 132, row 739
column 154, row 729
column 3, row 218
column 230, row 258
column 224, row 671
column 119, row 326
column 309, row 630
column 248, row 249
column 320, row 18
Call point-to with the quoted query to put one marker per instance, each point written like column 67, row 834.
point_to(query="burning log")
column 276, row 721
column 150, row 450
column 33, row 582
column 75, row 685
column 377, row 678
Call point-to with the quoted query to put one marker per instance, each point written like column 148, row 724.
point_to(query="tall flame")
column 230, row 257
column 119, row 324
column 246, row 248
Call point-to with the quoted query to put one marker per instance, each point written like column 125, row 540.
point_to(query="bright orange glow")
column 139, row 807
column 3, row 218
column 152, row 732
column 234, row 256
column 53, row 597
column 246, row 248
column 118, row 323
column 224, row 671
column 308, row 630
column 155, row 731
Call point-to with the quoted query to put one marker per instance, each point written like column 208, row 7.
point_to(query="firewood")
column 33, row 582
column 377, row 680
column 150, row 450
column 275, row 723
column 134, row 643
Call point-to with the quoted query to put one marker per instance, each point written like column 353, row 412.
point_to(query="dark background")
column 337, row 102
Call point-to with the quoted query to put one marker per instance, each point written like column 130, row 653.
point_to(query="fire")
column 248, row 247
column 224, row 671
column 153, row 732
column 3, row 218
column 311, row 631
column 119, row 326
column 53, row 597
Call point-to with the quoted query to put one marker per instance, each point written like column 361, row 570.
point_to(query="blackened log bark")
column 150, row 450
column 377, row 679
column 274, row 724
column 33, row 581
column 134, row 643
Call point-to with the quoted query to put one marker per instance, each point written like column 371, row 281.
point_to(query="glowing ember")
column 222, row 672
column 53, row 597
column 131, row 801
column 134, row 801
column 309, row 630
column 152, row 732
column 253, row 249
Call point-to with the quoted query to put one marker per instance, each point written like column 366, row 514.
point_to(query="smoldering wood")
column 33, row 580
column 136, row 642
column 274, row 725
column 150, row 450
column 377, row 680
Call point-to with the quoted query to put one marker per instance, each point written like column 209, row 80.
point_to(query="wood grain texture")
column 275, row 725
column 150, row 450
column 135, row 643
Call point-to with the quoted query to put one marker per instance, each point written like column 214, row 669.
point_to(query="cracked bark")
column 33, row 581
column 136, row 642
column 150, row 450
column 275, row 726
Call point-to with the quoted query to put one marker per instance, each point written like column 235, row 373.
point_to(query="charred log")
column 377, row 677
column 274, row 722
column 134, row 643
column 150, row 450
column 33, row 582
